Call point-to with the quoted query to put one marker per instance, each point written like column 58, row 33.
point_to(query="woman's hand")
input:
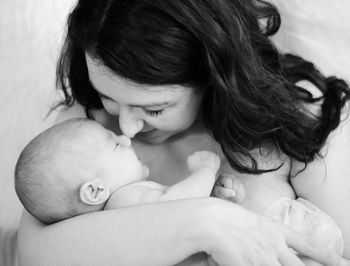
column 236, row 236
column 344, row 262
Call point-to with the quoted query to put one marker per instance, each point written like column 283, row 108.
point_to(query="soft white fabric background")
column 31, row 32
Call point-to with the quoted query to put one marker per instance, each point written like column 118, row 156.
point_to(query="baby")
column 78, row 166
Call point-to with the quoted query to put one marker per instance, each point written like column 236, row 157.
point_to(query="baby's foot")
column 230, row 188
column 203, row 159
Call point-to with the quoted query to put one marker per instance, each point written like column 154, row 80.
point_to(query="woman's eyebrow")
column 160, row 104
column 150, row 105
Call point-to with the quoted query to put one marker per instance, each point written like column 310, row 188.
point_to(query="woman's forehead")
column 116, row 87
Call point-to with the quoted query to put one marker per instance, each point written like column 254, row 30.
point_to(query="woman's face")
column 149, row 113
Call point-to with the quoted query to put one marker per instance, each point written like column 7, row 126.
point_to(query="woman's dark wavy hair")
column 221, row 48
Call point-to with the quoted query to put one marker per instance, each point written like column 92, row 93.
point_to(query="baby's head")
column 72, row 168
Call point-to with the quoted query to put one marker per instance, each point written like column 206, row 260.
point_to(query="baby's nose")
column 124, row 140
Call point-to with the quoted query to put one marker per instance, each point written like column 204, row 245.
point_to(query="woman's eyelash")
column 105, row 98
column 154, row 113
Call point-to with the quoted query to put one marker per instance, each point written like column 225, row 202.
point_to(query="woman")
column 180, row 76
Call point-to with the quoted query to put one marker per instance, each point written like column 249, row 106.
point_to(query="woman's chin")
column 154, row 137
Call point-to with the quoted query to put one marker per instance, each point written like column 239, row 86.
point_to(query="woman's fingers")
column 301, row 244
column 344, row 262
column 241, row 237
column 289, row 258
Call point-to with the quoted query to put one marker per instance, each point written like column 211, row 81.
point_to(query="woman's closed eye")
column 105, row 98
column 154, row 113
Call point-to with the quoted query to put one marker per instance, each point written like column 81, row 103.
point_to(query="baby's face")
column 116, row 159
column 122, row 160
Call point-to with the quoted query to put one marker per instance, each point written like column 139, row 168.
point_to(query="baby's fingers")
column 233, row 183
column 224, row 193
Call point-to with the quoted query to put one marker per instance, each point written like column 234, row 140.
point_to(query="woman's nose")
column 129, row 123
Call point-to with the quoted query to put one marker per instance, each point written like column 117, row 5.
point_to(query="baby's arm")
column 135, row 194
column 203, row 166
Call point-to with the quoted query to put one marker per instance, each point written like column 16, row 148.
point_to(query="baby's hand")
column 203, row 159
column 230, row 188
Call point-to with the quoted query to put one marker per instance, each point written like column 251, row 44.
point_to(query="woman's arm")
column 326, row 181
column 164, row 234
column 147, row 235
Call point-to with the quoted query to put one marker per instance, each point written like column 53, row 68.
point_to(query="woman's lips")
column 146, row 132
column 150, row 136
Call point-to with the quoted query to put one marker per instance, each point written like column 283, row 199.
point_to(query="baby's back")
column 261, row 191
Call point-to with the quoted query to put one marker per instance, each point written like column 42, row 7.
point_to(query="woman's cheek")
column 174, row 123
column 111, row 108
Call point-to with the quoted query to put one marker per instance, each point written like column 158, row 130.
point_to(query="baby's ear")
column 94, row 192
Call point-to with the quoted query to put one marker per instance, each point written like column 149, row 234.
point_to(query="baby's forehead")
column 92, row 129
column 81, row 132
column 87, row 124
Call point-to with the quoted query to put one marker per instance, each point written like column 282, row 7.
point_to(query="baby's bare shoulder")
column 135, row 194
column 146, row 185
